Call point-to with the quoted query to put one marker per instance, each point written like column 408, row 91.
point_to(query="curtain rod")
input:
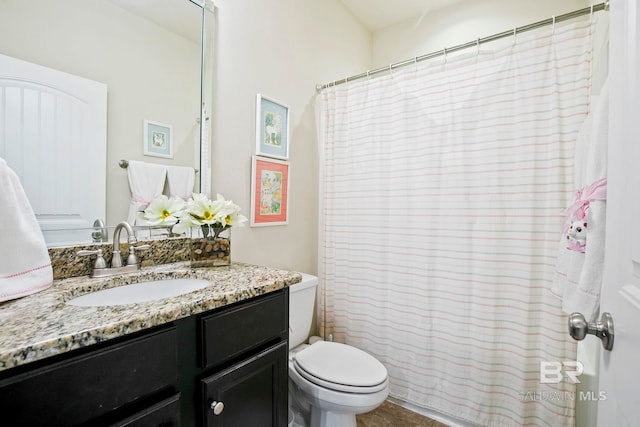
column 550, row 21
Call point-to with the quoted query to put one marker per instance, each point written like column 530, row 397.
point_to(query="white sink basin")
column 139, row 292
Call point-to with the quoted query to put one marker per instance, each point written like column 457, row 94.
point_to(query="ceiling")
column 180, row 17
column 379, row 14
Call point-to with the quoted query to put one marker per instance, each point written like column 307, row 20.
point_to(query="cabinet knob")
column 217, row 407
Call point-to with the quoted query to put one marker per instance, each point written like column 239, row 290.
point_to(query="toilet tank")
column 302, row 297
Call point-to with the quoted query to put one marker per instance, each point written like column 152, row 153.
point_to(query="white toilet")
column 329, row 382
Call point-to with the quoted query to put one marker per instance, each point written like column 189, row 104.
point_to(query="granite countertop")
column 42, row 325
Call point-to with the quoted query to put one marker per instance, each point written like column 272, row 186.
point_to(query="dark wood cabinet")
column 240, row 329
column 165, row 376
column 83, row 387
column 165, row 413
column 252, row 393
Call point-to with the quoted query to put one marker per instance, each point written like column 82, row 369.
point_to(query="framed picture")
column 272, row 128
column 269, row 191
column 158, row 140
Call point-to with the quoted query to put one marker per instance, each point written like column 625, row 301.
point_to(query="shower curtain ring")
column 515, row 31
column 444, row 53
column 553, row 24
column 591, row 12
column 478, row 46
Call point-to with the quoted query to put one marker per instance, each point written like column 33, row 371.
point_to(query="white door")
column 53, row 134
column 620, row 368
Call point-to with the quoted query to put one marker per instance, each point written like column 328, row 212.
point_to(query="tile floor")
column 392, row 415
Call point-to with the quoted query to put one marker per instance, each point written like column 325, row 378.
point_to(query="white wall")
column 281, row 49
column 461, row 23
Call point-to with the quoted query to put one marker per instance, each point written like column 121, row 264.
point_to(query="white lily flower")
column 185, row 223
column 202, row 210
column 163, row 211
column 230, row 213
column 199, row 211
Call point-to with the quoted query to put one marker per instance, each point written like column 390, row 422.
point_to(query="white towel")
column 25, row 266
column 180, row 180
column 578, row 277
column 146, row 181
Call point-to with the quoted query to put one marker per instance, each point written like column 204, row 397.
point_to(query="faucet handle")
column 132, row 259
column 100, row 262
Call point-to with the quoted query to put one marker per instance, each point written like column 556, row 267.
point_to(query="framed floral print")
column 158, row 140
column 272, row 128
column 269, row 192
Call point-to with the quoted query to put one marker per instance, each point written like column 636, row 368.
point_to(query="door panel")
column 619, row 370
column 53, row 134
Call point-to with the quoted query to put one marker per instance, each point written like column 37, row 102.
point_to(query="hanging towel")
column 146, row 181
column 25, row 266
column 180, row 180
column 578, row 277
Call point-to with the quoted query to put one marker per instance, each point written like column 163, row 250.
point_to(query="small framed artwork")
column 158, row 140
column 269, row 191
column 272, row 128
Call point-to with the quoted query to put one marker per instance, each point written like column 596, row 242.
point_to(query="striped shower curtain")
column 442, row 188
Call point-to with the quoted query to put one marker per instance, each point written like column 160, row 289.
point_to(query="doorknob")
column 579, row 328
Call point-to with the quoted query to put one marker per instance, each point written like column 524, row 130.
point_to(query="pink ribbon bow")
column 138, row 198
column 578, row 209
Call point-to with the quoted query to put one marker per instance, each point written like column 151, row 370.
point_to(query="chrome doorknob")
column 579, row 328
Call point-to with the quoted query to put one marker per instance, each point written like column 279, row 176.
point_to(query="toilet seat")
column 341, row 367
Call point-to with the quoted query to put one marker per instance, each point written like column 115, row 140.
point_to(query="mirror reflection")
column 146, row 55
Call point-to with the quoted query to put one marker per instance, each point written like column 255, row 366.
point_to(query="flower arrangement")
column 213, row 217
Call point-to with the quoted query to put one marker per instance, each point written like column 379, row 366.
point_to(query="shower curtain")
column 442, row 189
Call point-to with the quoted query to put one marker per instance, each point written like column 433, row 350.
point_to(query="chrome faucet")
column 116, row 261
column 100, row 268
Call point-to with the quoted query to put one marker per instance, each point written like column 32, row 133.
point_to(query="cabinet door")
column 252, row 393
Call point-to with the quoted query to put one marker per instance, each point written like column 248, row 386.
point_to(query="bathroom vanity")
column 214, row 357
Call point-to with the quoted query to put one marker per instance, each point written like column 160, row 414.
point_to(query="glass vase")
column 210, row 247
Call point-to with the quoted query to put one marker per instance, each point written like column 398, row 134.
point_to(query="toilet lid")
column 341, row 367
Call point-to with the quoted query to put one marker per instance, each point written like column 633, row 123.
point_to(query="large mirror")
column 154, row 57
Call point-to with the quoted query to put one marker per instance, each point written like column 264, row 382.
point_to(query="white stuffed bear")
column 577, row 236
